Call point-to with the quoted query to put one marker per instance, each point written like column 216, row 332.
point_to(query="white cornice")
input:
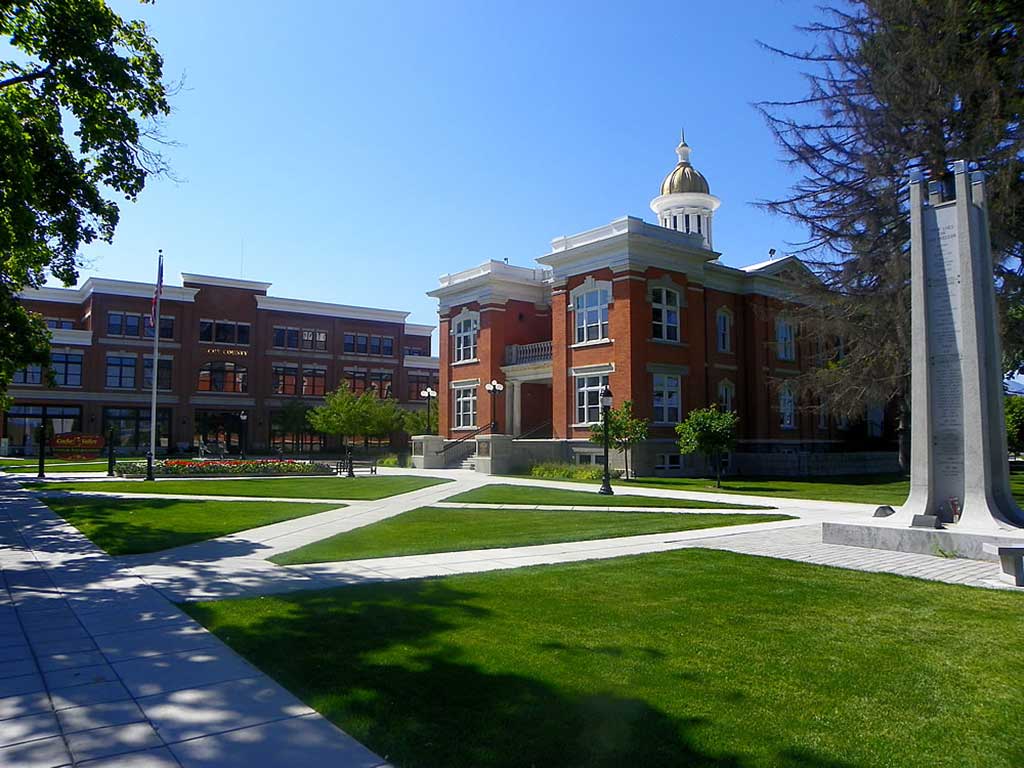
column 415, row 329
column 324, row 309
column 106, row 286
column 418, row 361
column 493, row 282
column 225, row 282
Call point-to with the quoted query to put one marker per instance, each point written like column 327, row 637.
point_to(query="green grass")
column 688, row 658
column 133, row 526
column 532, row 494
column 433, row 529
column 865, row 489
column 57, row 466
column 355, row 489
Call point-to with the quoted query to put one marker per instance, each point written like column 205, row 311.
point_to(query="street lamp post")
column 494, row 387
column 606, row 405
column 42, row 451
column 428, row 393
column 110, row 453
column 241, row 434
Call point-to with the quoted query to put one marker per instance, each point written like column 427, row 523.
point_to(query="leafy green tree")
column 344, row 413
column 291, row 419
column 624, row 431
column 415, row 422
column 384, row 418
column 78, row 106
column 710, row 432
column 1014, row 407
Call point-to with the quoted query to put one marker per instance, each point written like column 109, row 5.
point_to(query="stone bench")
column 1012, row 560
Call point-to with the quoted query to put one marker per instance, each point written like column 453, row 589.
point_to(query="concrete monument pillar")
column 959, row 465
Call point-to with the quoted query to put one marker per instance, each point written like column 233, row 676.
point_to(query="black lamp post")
column 351, row 468
column 42, row 451
column 241, row 433
column 428, row 393
column 606, row 405
column 110, row 453
column 494, row 387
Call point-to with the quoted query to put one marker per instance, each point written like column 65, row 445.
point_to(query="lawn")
column 433, row 529
column 864, row 489
column 530, row 494
column 132, row 526
column 688, row 658
column 354, row 489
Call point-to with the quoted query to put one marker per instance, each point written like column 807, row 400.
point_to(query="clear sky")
column 354, row 152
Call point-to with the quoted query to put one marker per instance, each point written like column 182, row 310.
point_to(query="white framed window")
column 785, row 338
column 665, row 314
column 787, row 408
column 723, row 330
column 588, row 398
column 467, row 327
column 591, row 308
column 465, row 407
column 667, row 398
column 727, row 395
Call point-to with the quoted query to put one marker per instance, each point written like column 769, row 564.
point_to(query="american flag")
column 159, row 290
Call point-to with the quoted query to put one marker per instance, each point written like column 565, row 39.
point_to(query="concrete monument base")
column 895, row 536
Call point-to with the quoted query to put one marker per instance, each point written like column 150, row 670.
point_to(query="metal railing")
column 459, row 450
column 540, row 429
column 537, row 352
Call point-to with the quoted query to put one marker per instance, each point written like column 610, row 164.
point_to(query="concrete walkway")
column 98, row 669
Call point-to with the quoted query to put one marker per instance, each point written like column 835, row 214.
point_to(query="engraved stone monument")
column 959, row 480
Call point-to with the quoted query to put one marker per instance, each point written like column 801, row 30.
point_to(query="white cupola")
column 685, row 203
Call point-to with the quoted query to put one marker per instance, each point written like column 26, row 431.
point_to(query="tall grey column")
column 958, row 434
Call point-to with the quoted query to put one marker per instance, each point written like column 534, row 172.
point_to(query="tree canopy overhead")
column 81, row 91
column 895, row 86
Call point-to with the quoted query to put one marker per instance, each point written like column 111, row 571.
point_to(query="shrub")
column 390, row 460
column 561, row 470
column 188, row 467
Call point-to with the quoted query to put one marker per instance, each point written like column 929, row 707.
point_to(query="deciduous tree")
column 624, row 431
column 78, row 103
column 710, row 432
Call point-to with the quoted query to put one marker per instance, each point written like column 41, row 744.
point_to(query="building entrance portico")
column 528, row 390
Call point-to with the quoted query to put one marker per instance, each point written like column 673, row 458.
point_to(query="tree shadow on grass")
column 375, row 660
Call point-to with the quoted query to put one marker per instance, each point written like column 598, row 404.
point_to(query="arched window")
column 727, row 395
column 723, row 330
column 665, row 314
column 787, row 408
column 465, row 329
column 223, row 377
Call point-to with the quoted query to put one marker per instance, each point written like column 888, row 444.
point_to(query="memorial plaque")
column 959, row 468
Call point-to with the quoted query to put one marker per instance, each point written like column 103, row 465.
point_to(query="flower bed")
column 224, row 468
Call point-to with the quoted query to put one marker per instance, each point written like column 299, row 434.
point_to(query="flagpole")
column 155, row 322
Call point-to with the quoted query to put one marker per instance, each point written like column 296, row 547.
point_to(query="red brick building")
column 649, row 311
column 227, row 350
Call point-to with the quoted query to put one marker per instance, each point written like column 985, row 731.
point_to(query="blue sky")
column 354, row 152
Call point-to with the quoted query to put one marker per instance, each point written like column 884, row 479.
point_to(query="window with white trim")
column 591, row 309
column 465, row 407
column 727, row 395
column 667, row 398
column 588, row 398
column 465, row 338
column 723, row 330
column 787, row 408
column 665, row 314
column 785, row 337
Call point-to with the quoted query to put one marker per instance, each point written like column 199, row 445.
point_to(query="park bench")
column 367, row 465
column 1012, row 560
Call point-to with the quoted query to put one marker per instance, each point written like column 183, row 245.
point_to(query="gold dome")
column 684, row 177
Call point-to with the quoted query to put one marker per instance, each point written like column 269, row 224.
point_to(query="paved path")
column 98, row 669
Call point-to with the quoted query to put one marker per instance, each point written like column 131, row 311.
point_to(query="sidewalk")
column 99, row 670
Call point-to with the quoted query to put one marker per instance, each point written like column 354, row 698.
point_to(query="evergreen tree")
column 896, row 86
